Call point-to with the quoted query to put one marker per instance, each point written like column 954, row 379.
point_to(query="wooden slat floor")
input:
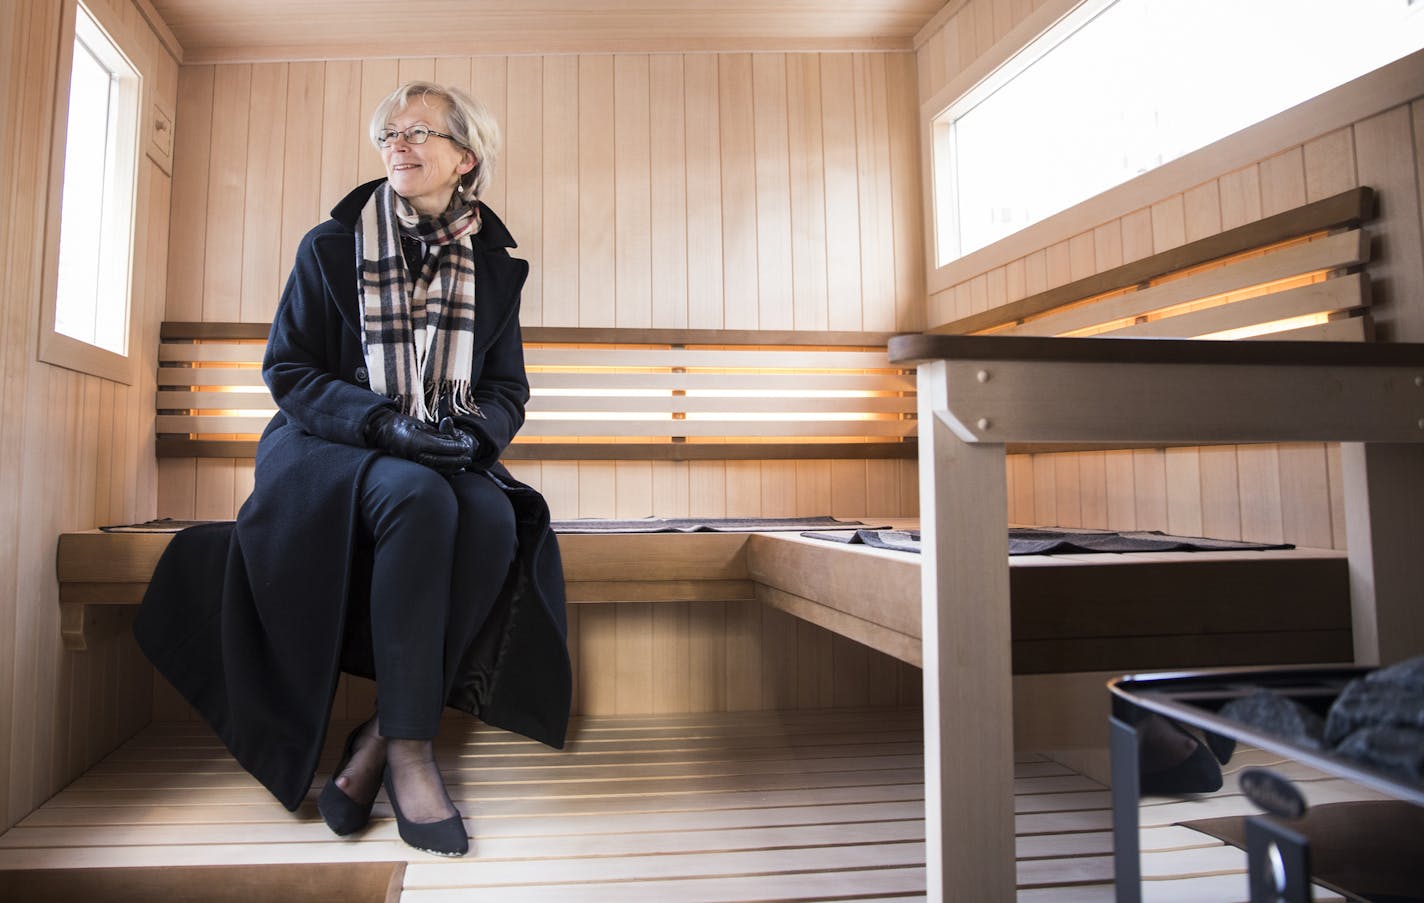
column 767, row 806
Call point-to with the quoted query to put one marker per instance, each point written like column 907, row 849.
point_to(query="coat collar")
column 492, row 234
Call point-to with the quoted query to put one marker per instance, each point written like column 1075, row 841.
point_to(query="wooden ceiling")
column 244, row 30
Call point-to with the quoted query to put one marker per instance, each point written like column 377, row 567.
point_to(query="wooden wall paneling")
column 671, row 657
column 848, row 490
column 1169, row 224
column 104, row 474
column 909, row 488
column 414, row 69
column 1107, row 247
column 1184, row 491
column 844, row 296
column 1093, row 483
column 743, row 488
column 669, row 165
column 1015, row 285
column 1067, row 491
column 1122, row 501
column 1202, row 209
column 778, row 488
column 560, row 251
column 177, row 488
column 1137, row 235
column 779, row 655
column 633, row 200
column 814, row 686
column 707, row 488
column 1082, row 256
column 1305, row 494
column 523, row 165
column 378, row 79
column 1060, row 266
column 343, row 134
column 597, row 676
column 1390, row 159
column 744, row 663
column 702, row 110
column 1045, row 491
column 301, row 174
column 1282, row 181
column 633, row 657
column 1220, row 495
column 736, row 103
column 1240, row 196
column 1020, row 489
column 772, row 167
column 455, row 70
column 813, row 488
column 996, row 290
column 487, row 79
column 187, row 232
column 1035, row 272
column 671, row 489
column 1336, row 475
column 86, row 502
column 597, row 192
column 882, row 487
column 979, row 293
column 597, row 489
column 1149, row 479
column 262, row 259
column 877, row 223
column 214, row 489
column 1258, row 468
column 574, row 640
column 707, row 656
column 805, row 149
column 851, row 678
column 1330, row 164
column 633, row 483
column 126, row 413
column 227, row 168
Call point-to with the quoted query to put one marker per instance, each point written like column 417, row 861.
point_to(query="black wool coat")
column 252, row 622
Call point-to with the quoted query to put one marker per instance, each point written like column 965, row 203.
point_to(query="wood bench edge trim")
column 1347, row 208
column 180, row 447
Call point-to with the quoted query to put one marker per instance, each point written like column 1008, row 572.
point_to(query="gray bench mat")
column 1038, row 541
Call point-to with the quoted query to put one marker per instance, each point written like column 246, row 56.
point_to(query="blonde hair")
column 466, row 118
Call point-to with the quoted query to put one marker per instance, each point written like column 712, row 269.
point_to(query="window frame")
column 55, row 347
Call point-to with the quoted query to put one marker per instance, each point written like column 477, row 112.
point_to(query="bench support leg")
column 71, row 626
column 1384, row 518
column 968, row 690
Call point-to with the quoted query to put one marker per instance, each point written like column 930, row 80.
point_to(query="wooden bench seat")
column 1117, row 612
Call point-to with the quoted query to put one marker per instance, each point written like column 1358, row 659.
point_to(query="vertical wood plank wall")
column 76, row 451
column 1289, row 493
column 699, row 190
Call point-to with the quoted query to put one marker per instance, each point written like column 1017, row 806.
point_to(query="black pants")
column 441, row 548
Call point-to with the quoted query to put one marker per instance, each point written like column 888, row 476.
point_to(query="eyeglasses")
column 416, row 134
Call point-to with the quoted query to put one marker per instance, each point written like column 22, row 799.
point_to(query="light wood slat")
column 766, row 382
column 1353, row 329
column 728, row 427
column 210, row 376
column 706, row 359
column 1331, row 296
column 1341, row 250
column 199, row 401
column 212, row 352
column 700, row 404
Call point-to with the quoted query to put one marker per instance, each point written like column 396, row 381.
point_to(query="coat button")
column 361, row 375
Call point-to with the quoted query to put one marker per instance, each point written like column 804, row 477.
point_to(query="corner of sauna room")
column 757, row 737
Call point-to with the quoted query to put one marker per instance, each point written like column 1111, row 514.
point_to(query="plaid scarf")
column 419, row 327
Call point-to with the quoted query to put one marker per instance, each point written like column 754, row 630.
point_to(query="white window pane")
column 1141, row 83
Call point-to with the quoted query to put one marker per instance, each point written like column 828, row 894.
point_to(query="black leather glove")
column 445, row 450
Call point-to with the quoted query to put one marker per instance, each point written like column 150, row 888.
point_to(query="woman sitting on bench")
column 382, row 536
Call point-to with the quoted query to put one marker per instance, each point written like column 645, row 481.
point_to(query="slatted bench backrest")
column 601, row 393
column 1296, row 275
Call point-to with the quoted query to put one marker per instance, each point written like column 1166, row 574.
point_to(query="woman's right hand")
column 415, row 440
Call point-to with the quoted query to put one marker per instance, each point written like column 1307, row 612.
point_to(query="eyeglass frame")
column 389, row 135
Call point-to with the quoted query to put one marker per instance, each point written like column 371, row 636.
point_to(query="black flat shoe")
column 342, row 814
column 443, row 838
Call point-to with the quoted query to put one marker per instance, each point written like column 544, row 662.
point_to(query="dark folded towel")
column 1036, row 541
column 703, row 525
